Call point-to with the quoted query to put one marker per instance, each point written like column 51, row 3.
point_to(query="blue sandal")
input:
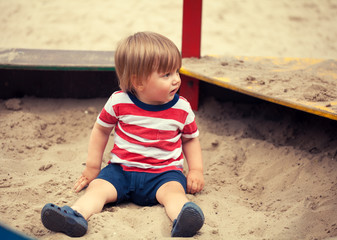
column 188, row 222
column 63, row 219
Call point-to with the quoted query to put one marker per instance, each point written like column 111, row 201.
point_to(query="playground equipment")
column 309, row 85
column 50, row 73
column 191, row 44
column 192, row 72
column 56, row 73
column 60, row 73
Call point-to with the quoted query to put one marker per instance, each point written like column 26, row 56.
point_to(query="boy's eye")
column 171, row 73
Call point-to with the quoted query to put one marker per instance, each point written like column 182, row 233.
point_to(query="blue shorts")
column 138, row 187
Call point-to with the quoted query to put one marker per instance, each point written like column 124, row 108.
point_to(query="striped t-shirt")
column 148, row 137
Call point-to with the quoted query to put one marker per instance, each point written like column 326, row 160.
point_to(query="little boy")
column 154, row 130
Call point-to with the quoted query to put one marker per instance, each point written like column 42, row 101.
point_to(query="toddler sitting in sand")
column 154, row 129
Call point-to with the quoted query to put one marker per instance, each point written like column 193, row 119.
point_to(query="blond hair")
column 141, row 54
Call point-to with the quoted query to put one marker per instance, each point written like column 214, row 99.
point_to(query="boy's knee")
column 169, row 189
column 172, row 186
column 103, row 188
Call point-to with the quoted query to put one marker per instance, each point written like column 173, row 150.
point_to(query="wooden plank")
column 191, row 36
column 38, row 59
column 191, row 44
column 56, row 73
column 257, row 76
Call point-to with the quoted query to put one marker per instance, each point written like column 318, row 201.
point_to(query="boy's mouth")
column 174, row 91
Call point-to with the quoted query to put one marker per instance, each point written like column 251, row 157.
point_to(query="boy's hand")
column 195, row 181
column 87, row 176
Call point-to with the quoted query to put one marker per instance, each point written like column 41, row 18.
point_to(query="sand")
column 270, row 171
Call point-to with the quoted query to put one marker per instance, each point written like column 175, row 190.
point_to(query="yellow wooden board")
column 304, row 84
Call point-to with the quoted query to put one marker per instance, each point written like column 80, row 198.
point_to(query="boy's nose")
column 176, row 79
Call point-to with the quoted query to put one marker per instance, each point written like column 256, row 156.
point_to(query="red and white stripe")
column 148, row 141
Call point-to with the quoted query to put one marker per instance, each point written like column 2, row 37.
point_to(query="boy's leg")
column 98, row 193
column 72, row 221
column 187, row 217
column 172, row 196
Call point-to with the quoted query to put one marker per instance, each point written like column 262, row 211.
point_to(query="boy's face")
column 159, row 88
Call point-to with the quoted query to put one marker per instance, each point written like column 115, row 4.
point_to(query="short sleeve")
column 190, row 129
column 107, row 117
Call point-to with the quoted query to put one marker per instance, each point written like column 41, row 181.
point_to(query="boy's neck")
column 152, row 107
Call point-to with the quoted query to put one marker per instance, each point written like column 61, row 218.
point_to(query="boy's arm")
column 195, row 176
column 98, row 139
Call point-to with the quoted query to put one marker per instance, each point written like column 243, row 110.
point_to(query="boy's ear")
column 137, row 85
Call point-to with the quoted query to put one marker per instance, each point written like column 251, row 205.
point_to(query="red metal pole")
column 191, row 44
